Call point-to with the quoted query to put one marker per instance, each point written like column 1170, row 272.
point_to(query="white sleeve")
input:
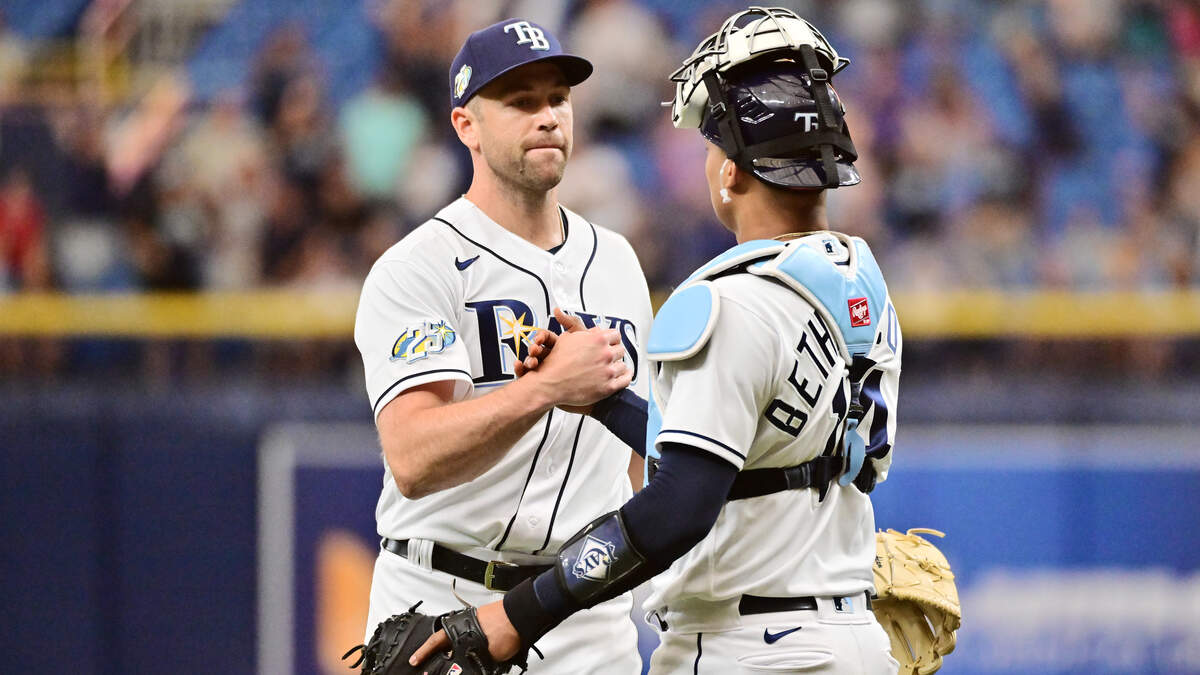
column 406, row 330
column 716, row 398
column 880, row 392
column 643, row 318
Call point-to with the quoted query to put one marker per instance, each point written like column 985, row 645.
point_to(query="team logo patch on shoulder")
column 860, row 313
column 461, row 80
column 417, row 343
column 595, row 559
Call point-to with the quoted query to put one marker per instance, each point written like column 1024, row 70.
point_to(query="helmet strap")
column 827, row 116
column 721, row 110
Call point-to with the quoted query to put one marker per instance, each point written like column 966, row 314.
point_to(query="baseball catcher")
column 917, row 602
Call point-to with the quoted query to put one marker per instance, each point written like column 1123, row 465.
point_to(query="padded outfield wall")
column 199, row 523
column 1075, row 547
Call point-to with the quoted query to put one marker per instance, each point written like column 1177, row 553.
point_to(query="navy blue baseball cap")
column 501, row 47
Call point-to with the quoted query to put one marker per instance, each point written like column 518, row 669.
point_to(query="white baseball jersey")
column 769, row 389
column 454, row 300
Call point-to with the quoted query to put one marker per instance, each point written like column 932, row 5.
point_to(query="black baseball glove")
column 398, row 637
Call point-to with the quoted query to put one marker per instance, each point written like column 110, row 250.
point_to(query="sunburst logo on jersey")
column 517, row 333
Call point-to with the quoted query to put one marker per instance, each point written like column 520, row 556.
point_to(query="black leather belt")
column 495, row 575
column 754, row 604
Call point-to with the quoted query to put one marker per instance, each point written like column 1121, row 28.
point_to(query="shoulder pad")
column 684, row 323
column 754, row 249
column 835, row 291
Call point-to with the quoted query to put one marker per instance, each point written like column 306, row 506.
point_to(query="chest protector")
column 848, row 294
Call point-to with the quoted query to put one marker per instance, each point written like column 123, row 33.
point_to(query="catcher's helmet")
column 759, row 88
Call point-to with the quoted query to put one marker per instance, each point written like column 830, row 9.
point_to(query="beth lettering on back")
column 528, row 34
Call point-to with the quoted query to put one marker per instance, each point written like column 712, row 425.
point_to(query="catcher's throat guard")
column 760, row 88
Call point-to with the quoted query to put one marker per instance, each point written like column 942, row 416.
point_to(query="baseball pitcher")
column 485, row 478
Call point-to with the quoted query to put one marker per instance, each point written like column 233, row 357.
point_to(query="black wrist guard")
column 597, row 559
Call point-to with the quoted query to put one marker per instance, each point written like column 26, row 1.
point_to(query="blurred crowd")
column 1016, row 144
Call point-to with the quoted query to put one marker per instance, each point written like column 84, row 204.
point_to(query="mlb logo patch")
column 860, row 314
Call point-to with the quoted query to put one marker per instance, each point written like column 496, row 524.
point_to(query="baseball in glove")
column 917, row 602
column 396, row 638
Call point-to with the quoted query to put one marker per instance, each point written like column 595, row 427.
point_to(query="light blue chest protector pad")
column 849, row 294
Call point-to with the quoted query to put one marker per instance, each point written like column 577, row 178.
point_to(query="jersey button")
column 534, row 520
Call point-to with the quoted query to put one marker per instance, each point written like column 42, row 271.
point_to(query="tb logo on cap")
column 528, row 34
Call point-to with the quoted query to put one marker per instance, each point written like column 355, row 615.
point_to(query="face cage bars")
column 717, row 43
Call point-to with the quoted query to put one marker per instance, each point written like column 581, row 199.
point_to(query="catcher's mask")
column 760, row 89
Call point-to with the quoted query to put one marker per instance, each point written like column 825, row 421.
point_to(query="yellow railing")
column 252, row 314
column 278, row 314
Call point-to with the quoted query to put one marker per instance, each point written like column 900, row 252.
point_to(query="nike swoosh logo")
column 464, row 264
column 770, row 638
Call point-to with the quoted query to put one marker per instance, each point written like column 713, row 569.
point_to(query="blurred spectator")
column 23, row 261
column 14, row 56
column 1041, row 142
column 224, row 156
column 288, row 217
column 301, row 131
column 1181, row 226
column 285, row 57
column 84, row 188
column 599, row 183
column 632, row 56
column 380, row 129
column 169, row 241
column 421, row 38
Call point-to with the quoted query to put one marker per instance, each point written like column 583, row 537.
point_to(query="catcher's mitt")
column 396, row 638
column 918, row 601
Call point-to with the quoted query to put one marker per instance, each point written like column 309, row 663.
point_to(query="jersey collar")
column 473, row 222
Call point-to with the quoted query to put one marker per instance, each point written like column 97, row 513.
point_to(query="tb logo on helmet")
column 810, row 120
column 529, row 34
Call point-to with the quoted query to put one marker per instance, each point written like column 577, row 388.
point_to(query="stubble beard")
column 522, row 175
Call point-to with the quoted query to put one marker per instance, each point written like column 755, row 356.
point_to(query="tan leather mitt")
column 918, row 601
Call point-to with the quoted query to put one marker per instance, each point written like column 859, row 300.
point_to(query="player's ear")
column 466, row 125
column 732, row 176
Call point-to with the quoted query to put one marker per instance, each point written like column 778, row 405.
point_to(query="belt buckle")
column 489, row 574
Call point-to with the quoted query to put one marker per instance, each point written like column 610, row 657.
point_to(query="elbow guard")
column 597, row 560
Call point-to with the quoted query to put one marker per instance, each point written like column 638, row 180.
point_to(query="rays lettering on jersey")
column 505, row 325
column 625, row 327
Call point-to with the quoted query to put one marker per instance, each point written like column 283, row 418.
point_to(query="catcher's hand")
column 918, row 601
column 461, row 650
